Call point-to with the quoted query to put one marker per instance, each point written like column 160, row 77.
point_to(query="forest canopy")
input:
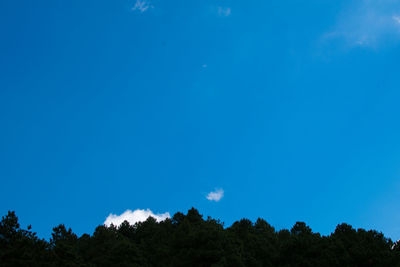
column 190, row 240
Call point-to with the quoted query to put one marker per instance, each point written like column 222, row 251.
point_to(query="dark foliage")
column 189, row 240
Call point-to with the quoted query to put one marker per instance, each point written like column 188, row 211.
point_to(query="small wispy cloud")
column 216, row 195
column 367, row 23
column 396, row 19
column 224, row 11
column 142, row 5
column 134, row 216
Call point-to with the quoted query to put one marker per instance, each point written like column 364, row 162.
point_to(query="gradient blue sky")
column 291, row 107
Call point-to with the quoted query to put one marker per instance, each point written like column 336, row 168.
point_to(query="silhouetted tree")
column 190, row 240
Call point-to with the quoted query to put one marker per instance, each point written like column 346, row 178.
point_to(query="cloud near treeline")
column 135, row 216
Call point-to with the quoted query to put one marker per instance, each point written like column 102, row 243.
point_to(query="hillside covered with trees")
column 190, row 240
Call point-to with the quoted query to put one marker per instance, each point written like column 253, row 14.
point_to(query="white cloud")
column 134, row 216
column 215, row 195
column 142, row 5
column 224, row 11
column 396, row 19
column 367, row 23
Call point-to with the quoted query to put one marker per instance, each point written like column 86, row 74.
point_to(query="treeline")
column 189, row 240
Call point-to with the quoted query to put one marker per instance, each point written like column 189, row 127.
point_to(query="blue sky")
column 286, row 110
